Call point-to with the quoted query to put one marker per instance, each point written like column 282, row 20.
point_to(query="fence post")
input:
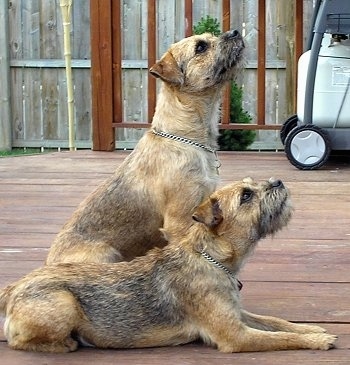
column 261, row 61
column 5, row 110
column 103, row 138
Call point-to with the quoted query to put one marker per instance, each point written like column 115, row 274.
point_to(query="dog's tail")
column 4, row 298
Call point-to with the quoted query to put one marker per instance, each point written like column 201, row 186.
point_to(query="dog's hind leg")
column 43, row 324
column 268, row 323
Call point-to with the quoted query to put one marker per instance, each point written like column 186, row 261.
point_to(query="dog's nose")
column 234, row 34
column 276, row 183
column 235, row 37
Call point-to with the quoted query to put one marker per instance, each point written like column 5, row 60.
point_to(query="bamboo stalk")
column 66, row 6
column 5, row 105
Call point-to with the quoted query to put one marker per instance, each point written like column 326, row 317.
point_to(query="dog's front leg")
column 231, row 334
column 267, row 323
column 248, row 339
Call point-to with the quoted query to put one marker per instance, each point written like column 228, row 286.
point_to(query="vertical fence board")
column 180, row 22
column 81, row 49
column 286, row 51
column 274, row 53
column 250, row 21
column 80, row 34
column 151, row 55
column 15, row 29
column 50, row 104
column 33, row 122
column 51, row 46
column 204, row 8
column 31, row 23
column 307, row 11
column 165, row 25
column 62, row 107
column 17, row 104
column 132, row 25
column 82, row 88
column 134, row 87
column 236, row 15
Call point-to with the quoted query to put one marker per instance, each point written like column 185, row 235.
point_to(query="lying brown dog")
column 173, row 167
column 175, row 295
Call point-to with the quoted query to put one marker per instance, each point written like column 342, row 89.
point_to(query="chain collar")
column 183, row 140
column 190, row 142
column 222, row 267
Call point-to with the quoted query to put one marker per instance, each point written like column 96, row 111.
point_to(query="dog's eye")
column 246, row 196
column 201, row 47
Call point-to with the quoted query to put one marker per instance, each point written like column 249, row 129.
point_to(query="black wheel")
column 287, row 126
column 307, row 147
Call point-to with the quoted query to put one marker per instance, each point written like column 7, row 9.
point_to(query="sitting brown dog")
column 173, row 167
column 171, row 296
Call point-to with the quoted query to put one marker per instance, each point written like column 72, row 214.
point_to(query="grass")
column 24, row 151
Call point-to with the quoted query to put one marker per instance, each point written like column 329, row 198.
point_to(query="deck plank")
column 302, row 274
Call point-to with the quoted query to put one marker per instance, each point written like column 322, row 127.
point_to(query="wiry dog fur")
column 162, row 180
column 170, row 296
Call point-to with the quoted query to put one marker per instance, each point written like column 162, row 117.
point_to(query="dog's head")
column 243, row 212
column 200, row 62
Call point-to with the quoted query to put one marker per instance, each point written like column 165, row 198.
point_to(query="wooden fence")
column 38, row 96
column 33, row 107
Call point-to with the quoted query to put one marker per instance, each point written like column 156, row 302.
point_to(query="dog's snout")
column 235, row 33
column 235, row 37
column 276, row 183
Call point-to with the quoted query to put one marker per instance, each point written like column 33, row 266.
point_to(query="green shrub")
column 229, row 139
column 207, row 25
column 236, row 139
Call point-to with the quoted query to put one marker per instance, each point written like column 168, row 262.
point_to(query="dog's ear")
column 168, row 70
column 164, row 233
column 209, row 213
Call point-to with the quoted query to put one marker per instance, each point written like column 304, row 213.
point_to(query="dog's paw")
column 321, row 341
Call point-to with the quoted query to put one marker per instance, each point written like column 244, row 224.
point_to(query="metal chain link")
column 222, row 267
column 183, row 140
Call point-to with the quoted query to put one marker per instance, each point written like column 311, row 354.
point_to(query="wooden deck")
column 302, row 274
